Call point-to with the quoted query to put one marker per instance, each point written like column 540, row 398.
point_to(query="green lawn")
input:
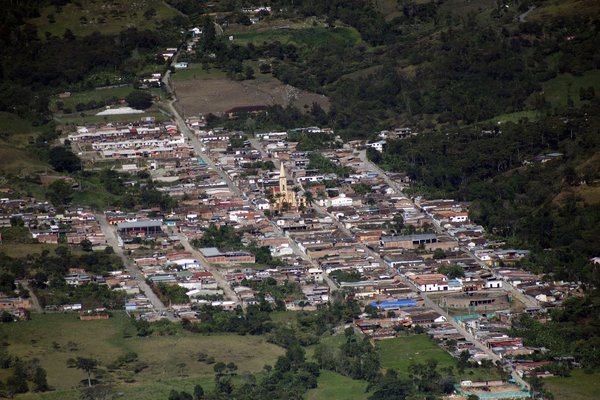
column 98, row 95
column 401, row 352
column 107, row 340
column 195, row 71
column 309, row 37
column 579, row 386
column 107, row 17
column 334, row 386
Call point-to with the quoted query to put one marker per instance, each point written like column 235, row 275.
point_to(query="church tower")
column 282, row 180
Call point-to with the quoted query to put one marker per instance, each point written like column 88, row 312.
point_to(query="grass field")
column 558, row 90
column 579, row 386
column 195, row 71
column 334, row 386
column 15, row 160
column 516, row 117
column 401, row 352
column 99, row 95
column 107, row 340
column 107, row 17
column 310, row 37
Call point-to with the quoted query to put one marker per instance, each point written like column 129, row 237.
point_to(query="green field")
column 401, row 352
column 107, row 17
column 15, row 160
column 98, row 95
column 558, row 90
column 579, row 386
column 107, row 340
column 310, row 37
column 516, row 117
column 195, row 71
column 334, row 386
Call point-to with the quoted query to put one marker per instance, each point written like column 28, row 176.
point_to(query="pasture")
column 401, row 352
column 106, row 17
column 219, row 95
column 171, row 360
column 334, row 386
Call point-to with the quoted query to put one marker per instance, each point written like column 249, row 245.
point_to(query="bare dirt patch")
column 219, row 95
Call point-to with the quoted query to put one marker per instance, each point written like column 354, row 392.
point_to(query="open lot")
column 54, row 338
column 401, row 352
column 334, row 386
column 219, row 95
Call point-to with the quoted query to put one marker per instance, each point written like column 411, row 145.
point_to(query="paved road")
column 133, row 270
column 35, row 304
column 221, row 281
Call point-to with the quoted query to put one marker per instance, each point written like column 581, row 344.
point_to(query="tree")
column 40, row 383
column 88, row 365
column 439, row 253
column 60, row 193
column 64, row 160
column 139, row 99
column 249, row 72
column 17, row 382
column 198, row 392
column 86, row 245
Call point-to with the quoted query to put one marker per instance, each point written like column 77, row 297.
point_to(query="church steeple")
column 282, row 179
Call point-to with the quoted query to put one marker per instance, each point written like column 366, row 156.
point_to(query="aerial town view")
column 299, row 199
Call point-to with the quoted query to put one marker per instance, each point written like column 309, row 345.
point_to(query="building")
column 285, row 197
column 216, row 256
column 135, row 227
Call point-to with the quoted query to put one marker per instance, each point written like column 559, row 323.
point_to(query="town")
column 361, row 200
column 257, row 212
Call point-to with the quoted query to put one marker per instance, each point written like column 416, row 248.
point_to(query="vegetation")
column 572, row 331
column 150, row 373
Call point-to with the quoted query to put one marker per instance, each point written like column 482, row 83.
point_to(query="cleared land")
column 559, row 89
column 219, row 95
column 334, row 386
column 54, row 338
column 579, row 386
column 401, row 352
column 98, row 95
column 107, row 17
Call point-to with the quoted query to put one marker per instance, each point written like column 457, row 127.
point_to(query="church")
column 286, row 196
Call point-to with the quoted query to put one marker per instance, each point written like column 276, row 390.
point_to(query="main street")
column 219, row 278
column 113, row 241
column 198, row 150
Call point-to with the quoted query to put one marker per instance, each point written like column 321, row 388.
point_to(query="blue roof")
column 395, row 303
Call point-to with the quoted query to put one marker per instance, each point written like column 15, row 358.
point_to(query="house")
column 216, row 256
column 430, row 282
column 377, row 145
